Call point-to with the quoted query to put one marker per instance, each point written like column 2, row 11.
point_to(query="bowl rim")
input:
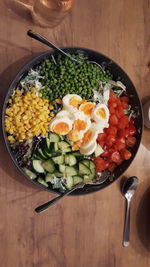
column 20, row 74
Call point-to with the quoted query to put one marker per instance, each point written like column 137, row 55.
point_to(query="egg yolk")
column 61, row 128
column 86, row 137
column 101, row 113
column 74, row 135
column 74, row 101
column 79, row 125
column 87, row 108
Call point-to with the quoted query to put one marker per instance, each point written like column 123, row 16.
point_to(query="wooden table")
column 79, row 231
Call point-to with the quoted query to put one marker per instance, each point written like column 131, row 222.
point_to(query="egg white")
column 66, row 99
column 103, row 121
column 57, row 120
column 88, row 150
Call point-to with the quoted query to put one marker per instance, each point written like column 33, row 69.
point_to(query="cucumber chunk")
column 58, row 174
column 31, row 174
column 59, row 160
column 99, row 150
column 87, row 179
column 46, row 144
column 54, row 138
column 41, row 181
column 48, row 165
column 83, row 169
column 56, row 147
column 48, row 177
column 92, row 165
column 37, row 166
column 69, row 182
column 86, row 162
column 62, row 168
column 77, row 179
column 47, row 154
column 71, row 171
column 63, row 145
column 40, row 153
column 70, row 160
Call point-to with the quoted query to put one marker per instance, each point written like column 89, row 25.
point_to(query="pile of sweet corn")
column 27, row 115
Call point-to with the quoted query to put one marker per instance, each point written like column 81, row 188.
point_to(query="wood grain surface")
column 79, row 231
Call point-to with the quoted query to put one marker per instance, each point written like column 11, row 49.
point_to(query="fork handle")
column 48, row 204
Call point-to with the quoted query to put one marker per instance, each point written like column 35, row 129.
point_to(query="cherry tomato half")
column 120, row 143
column 116, row 157
column 123, row 122
column 113, row 120
column 130, row 142
column 110, row 140
column 125, row 154
column 112, row 130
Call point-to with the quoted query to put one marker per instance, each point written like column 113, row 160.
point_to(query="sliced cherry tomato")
column 131, row 122
column 130, row 142
column 110, row 140
column 112, row 96
column 112, row 166
column 115, row 157
column 105, row 153
column 101, row 164
column 112, row 110
column 112, row 130
column 101, row 143
column 113, row 104
column 101, row 137
column 125, row 154
column 123, row 122
column 123, row 133
column 132, row 130
column 119, row 112
column 113, row 120
column 124, row 99
column 125, row 105
column 120, row 143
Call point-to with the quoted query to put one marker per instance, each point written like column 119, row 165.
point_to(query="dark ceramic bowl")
column 117, row 73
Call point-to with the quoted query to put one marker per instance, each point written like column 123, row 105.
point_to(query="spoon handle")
column 126, row 240
column 48, row 204
column 43, row 40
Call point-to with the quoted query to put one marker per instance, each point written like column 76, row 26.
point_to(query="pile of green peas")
column 63, row 76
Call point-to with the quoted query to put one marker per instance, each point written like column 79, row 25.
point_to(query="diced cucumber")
column 77, row 179
column 69, row 182
column 70, row 160
column 41, row 154
column 41, row 181
column 99, row 150
column 47, row 154
column 87, row 179
column 83, row 169
column 59, row 160
column 58, row 174
column 62, row 168
column 56, row 147
column 92, row 165
column 46, row 144
column 48, row 165
column 71, row 171
column 31, row 174
column 53, row 137
column 49, row 177
column 37, row 166
column 86, row 162
column 67, row 149
column 77, row 154
column 63, row 145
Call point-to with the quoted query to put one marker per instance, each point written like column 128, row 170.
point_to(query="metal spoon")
column 128, row 190
column 43, row 40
